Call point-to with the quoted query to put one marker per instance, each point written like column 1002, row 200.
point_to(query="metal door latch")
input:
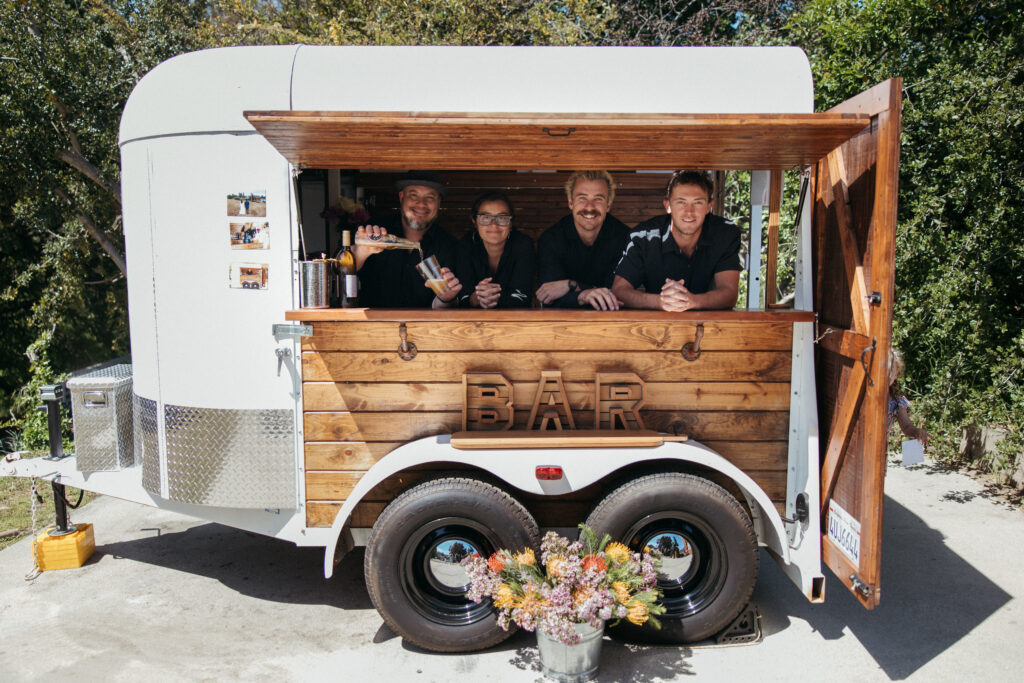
column 281, row 354
column 860, row 586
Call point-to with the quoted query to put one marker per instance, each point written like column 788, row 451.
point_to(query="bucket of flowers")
column 568, row 596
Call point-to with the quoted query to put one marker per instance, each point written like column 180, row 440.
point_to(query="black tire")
column 709, row 586
column 410, row 592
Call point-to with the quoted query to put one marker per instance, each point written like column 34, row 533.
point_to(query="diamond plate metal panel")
column 230, row 458
column 101, row 409
column 147, row 444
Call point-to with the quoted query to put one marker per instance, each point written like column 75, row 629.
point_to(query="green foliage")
column 959, row 253
column 66, row 72
column 412, row 22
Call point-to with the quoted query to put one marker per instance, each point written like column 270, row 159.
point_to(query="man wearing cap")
column 388, row 278
column 577, row 255
column 685, row 259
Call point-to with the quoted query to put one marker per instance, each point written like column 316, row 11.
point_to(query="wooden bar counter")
column 361, row 399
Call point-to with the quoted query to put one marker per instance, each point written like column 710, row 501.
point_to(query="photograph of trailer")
column 763, row 426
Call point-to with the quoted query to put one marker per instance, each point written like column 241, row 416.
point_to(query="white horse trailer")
column 308, row 426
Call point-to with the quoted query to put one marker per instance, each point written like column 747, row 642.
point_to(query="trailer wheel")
column 709, row 549
column 411, row 566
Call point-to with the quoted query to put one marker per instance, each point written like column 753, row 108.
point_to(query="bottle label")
column 351, row 286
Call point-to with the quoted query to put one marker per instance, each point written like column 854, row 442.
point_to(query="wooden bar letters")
column 489, row 398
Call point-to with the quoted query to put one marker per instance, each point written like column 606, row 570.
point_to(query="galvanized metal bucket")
column 314, row 284
column 571, row 663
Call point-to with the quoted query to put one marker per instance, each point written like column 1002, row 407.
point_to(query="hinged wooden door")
column 856, row 188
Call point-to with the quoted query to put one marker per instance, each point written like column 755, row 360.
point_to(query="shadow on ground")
column 254, row 565
column 931, row 598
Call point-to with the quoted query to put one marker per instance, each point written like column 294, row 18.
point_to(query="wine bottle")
column 349, row 294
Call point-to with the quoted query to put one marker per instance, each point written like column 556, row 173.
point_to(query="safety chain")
column 828, row 331
column 36, row 571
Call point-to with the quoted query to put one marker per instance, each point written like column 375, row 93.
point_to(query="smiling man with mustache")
column 578, row 254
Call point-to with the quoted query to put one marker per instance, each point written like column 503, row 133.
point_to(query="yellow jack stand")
column 68, row 551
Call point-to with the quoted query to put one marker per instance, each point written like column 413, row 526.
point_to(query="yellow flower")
column 526, row 558
column 555, row 567
column 617, row 552
column 504, row 598
column 637, row 613
column 621, row 591
column 531, row 602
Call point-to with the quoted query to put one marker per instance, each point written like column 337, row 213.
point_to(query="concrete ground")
column 166, row 598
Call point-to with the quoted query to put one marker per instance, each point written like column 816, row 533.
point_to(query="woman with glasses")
column 495, row 263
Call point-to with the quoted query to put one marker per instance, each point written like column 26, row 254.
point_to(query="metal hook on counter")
column 406, row 350
column 864, row 363
column 691, row 350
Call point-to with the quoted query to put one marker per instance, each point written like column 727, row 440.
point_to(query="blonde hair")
column 576, row 176
column 897, row 366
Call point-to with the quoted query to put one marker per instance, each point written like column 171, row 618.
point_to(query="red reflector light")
column 548, row 472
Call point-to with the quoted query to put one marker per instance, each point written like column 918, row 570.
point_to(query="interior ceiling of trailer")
column 616, row 142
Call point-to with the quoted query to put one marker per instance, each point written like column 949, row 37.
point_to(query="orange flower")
column 621, row 591
column 617, row 552
column 496, row 563
column 594, row 562
column 581, row 595
column 526, row 558
column 637, row 613
column 504, row 597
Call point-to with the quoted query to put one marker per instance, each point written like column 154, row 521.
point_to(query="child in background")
column 899, row 404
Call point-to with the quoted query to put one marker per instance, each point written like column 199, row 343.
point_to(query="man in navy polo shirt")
column 686, row 259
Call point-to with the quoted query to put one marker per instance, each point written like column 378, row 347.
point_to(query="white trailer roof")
column 207, row 91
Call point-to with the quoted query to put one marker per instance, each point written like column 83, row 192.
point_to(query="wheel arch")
column 582, row 467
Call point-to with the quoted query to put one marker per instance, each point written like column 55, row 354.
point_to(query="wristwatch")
column 573, row 286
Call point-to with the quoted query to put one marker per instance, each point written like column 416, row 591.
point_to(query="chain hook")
column 691, row 350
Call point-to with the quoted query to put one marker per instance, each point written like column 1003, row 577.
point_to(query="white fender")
column 581, row 467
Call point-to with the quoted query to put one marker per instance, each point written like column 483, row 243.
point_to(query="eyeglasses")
column 501, row 219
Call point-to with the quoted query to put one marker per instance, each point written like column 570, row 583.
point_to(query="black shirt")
column 516, row 269
column 390, row 279
column 653, row 255
column 562, row 255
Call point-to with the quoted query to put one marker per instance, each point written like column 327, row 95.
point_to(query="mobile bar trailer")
column 416, row 433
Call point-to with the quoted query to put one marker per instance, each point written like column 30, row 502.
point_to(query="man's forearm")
column 632, row 297
column 716, row 299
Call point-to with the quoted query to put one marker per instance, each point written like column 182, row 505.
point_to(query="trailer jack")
column 64, row 545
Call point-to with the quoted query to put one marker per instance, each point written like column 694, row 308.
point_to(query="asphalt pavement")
column 168, row 598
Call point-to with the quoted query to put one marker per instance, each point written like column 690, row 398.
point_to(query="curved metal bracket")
column 406, row 350
column 567, row 133
column 691, row 350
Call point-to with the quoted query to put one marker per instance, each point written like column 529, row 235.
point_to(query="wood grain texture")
column 312, row 139
column 416, row 396
column 403, row 426
column 567, row 438
column 553, row 315
column 667, row 366
column 540, row 336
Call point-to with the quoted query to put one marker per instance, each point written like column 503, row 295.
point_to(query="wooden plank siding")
column 332, row 139
column 361, row 400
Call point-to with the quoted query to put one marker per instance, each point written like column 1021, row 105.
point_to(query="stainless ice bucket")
column 314, row 284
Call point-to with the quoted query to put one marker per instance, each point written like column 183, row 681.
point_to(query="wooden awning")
column 617, row 142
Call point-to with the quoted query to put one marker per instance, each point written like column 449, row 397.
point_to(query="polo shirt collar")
column 668, row 244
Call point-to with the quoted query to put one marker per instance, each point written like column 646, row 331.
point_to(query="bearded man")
column 388, row 278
